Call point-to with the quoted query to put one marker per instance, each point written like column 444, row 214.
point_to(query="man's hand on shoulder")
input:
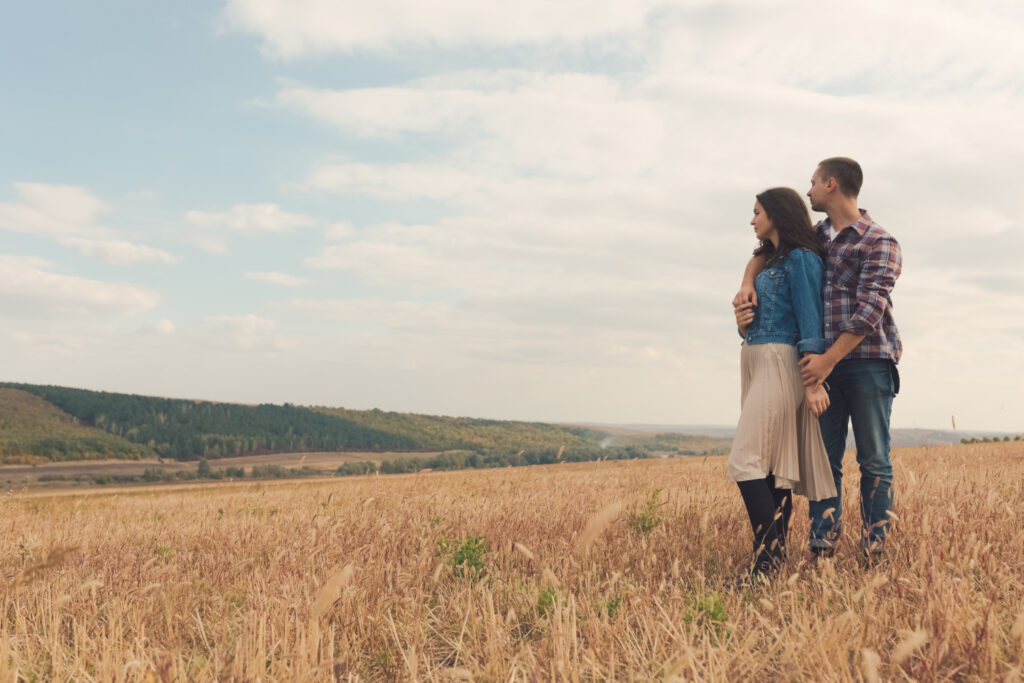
column 747, row 293
column 814, row 368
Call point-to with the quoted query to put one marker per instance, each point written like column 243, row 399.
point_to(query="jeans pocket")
column 895, row 378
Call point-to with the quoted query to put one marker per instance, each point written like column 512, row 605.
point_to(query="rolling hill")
column 33, row 430
column 39, row 423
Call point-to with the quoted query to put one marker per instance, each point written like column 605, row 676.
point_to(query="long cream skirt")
column 777, row 432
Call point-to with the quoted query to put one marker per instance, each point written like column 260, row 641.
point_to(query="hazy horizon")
column 688, row 427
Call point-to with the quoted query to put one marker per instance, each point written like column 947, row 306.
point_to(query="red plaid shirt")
column 860, row 271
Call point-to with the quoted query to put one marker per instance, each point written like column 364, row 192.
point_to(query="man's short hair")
column 846, row 171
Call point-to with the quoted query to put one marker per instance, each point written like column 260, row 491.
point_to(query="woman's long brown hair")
column 788, row 213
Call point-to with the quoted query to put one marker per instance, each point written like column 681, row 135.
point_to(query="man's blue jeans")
column 860, row 391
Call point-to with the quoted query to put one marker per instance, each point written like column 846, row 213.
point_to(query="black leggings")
column 769, row 509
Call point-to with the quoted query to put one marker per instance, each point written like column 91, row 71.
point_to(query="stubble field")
column 590, row 571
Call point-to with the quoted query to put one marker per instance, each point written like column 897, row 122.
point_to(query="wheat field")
column 590, row 571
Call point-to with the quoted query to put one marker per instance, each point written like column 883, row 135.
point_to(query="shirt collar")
column 861, row 226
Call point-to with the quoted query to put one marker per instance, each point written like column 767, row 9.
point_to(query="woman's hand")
column 817, row 399
column 744, row 316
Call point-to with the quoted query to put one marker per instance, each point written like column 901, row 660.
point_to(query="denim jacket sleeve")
column 805, row 282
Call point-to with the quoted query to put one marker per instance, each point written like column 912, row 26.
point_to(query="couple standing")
column 820, row 349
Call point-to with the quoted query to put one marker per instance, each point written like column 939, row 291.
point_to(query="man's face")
column 818, row 191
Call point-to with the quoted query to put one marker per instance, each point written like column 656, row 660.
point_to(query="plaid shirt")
column 860, row 271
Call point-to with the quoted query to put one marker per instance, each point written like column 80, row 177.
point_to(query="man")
column 863, row 348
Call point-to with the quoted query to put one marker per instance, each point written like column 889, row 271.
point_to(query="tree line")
column 508, row 458
column 62, row 423
column 994, row 439
column 115, row 425
column 443, row 433
column 189, row 430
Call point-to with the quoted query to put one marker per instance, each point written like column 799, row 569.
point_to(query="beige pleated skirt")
column 777, row 432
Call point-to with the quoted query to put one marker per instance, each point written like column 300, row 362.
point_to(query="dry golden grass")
column 346, row 579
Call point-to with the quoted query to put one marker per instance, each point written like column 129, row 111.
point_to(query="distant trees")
column 124, row 425
column 510, row 458
column 191, row 430
column 994, row 439
column 436, row 432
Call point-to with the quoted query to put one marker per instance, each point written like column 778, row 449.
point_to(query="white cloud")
column 394, row 182
column 303, row 27
column 339, row 230
column 244, row 324
column 215, row 244
column 117, row 252
column 520, row 334
column 145, row 195
column 162, row 326
column 51, row 209
column 374, row 312
column 242, row 332
column 30, row 289
column 918, row 47
column 68, row 215
column 46, row 345
column 282, row 279
column 567, row 123
column 250, row 218
column 241, row 218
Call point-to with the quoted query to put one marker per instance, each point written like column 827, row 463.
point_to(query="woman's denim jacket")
column 789, row 305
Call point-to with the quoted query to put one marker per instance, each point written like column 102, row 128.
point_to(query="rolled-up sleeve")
column 878, row 274
column 805, row 281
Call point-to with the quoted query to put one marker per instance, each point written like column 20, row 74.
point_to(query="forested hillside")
column 189, row 430
column 33, row 430
column 463, row 433
column 60, row 423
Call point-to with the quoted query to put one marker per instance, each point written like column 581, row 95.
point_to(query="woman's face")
column 763, row 228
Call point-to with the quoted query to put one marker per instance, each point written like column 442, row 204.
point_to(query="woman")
column 778, row 446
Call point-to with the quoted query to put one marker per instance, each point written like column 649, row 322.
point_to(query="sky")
column 534, row 210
